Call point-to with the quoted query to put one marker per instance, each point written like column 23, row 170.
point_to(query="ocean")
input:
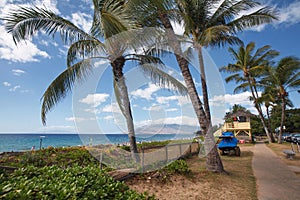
column 24, row 142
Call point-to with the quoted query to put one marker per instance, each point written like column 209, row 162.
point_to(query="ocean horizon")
column 26, row 141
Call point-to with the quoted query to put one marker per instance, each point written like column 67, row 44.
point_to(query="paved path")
column 273, row 178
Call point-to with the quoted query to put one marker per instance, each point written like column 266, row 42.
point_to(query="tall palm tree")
column 280, row 79
column 111, row 23
column 249, row 66
column 158, row 13
column 214, row 23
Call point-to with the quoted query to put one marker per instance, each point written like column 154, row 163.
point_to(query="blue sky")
column 27, row 69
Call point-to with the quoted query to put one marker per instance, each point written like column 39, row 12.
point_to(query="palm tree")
column 160, row 14
column 279, row 80
column 110, row 19
column 214, row 23
column 249, row 66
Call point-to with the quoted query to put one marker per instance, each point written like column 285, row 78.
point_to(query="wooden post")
column 166, row 148
column 101, row 159
column 143, row 160
column 180, row 151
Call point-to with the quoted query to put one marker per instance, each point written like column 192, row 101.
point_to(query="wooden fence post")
column 180, row 151
column 143, row 160
column 166, row 148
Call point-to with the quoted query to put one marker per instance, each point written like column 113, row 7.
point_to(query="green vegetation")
column 62, row 157
column 53, row 182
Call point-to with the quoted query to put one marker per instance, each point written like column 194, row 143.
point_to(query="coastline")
column 26, row 142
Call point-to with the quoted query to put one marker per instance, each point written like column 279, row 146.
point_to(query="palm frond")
column 218, row 35
column 163, row 79
column 85, row 48
column 264, row 15
column 111, row 18
column 235, row 77
column 63, row 84
column 241, row 88
column 25, row 22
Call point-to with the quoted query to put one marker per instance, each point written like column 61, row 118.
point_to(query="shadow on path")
column 273, row 178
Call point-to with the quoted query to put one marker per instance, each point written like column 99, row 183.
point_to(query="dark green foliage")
column 52, row 182
column 178, row 166
column 62, row 157
column 292, row 122
column 256, row 126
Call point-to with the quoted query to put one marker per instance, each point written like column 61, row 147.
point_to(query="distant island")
column 167, row 129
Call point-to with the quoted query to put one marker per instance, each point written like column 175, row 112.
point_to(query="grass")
column 278, row 148
column 200, row 184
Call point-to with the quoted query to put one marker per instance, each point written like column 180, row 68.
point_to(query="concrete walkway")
column 273, row 178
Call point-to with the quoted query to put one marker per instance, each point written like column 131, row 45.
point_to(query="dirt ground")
column 200, row 184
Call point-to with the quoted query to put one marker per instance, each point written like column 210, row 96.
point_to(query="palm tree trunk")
column 282, row 120
column 269, row 121
column 213, row 160
column 203, row 81
column 259, row 110
column 117, row 66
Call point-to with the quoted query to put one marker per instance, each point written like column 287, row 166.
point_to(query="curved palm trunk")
column 269, row 120
column 203, row 81
column 282, row 120
column 117, row 66
column 213, row 160
column 260, row 114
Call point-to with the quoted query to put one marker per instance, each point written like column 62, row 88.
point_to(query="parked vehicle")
column 284, row 136
column 289, row 138
column 228, row 144
column 296, row 138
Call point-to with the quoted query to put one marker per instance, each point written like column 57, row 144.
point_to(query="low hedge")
column 53, row 182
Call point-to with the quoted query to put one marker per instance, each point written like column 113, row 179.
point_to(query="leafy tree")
column 249, row 66
column 279, row 80
column 113, row 24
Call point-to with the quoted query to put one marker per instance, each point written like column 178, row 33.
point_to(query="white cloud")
column 230, row 99
column 18, row 72
column 172, row 110
column 180, row 120
column 147, row 92
column 82, row 20
column 13, row 89
column 112, row 108
column 79, row 119
column 109, row 117
column 7, row 84
column 290, row 14
column 24, row 52
column 100, row 63
column 166, row 100
column 48, row 4
column 95, row 99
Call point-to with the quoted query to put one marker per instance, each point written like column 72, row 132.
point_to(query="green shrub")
column 71, row 183
column 62, row 157
column 178, row 166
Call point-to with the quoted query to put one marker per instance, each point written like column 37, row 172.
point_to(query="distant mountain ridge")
column 167, row 129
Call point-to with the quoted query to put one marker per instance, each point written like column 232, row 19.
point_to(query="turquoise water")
column 24, row 142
